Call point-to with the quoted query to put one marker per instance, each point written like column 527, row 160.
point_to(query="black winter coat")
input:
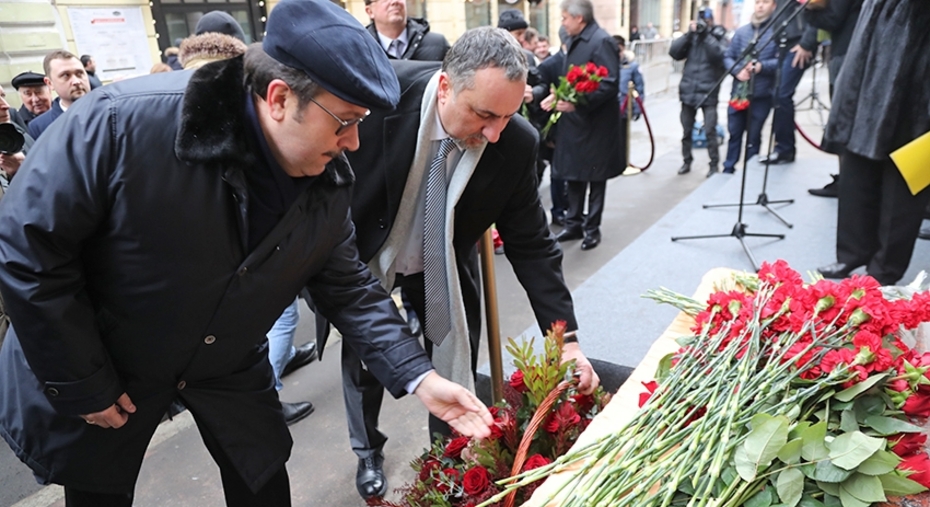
column 703, row 55
column 839, row 18
column 589, row 145
column 125, row 268
column 881, row 98
column 422, row 44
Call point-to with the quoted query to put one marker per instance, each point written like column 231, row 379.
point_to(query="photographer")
column 702, row 48
column 14, row 143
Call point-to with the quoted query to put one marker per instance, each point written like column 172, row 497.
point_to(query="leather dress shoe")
column 712, row 171
column 837, row 270
column 685, row 169
column 591, row 240
column 831, row 189
column 369, row 478
column 294, row 412
column 777, row 158
column 304, row 355
column 924, row 233
column 569, row 234
column 558, row 219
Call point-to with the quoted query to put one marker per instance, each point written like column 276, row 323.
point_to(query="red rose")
column 574, row 74
column 536, row 461
column 455, row 446
column 908, row 443
column 919, row 465
column 426, row 471
column 452, row 478
column 917, row 405
column 602, row 71
column 590, row 68
column 516, row 382
column 476, row 480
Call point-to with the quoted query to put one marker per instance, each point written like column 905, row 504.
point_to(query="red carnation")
column 536, row 461
column 919, row 465
column 455, row 446
column 908, row 443
column 476, row 480
column 516, row 382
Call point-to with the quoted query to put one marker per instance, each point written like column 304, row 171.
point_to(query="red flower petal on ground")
column 476, row 480
column 455, row 446
column 651, row 387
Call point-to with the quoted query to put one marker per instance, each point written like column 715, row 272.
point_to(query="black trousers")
column 363, row 393
column 576, row 219
column 877, row 218
column 688, row 115
column 275, row 493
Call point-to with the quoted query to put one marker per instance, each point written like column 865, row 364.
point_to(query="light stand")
column 763, row 199
column 739, row 229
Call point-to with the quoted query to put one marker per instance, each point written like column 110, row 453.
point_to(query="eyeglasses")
column 343, row 124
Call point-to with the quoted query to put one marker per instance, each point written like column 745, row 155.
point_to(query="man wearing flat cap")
column 157, row 232
column 34, row 93
column 453, row 158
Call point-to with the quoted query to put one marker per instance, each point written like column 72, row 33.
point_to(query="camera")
column 11, row 139
column 704, row 15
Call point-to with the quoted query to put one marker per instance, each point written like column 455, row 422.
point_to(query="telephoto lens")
column 11, row 140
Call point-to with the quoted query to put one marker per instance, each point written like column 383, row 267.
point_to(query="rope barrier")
column 807, row 137
column 652, row 142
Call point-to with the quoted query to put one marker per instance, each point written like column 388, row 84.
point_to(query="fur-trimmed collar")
column 198, row 50
column 213, row 124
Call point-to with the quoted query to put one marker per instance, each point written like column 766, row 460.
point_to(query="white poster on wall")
column 115, row 37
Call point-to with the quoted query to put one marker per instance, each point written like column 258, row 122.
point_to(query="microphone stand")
column 739, row 229
column 763, row 199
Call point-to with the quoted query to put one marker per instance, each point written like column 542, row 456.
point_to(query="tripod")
column 763, row 199
column 739, row 229
column 816, row 105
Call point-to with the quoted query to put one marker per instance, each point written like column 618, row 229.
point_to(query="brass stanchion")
column 493, row 319
column 630, row 170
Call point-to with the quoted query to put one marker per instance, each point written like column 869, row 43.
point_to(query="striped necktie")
column 436, row 285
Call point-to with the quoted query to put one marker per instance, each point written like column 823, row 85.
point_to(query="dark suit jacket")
column 502, row 190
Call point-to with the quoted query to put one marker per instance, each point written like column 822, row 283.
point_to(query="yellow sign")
column 913, row 160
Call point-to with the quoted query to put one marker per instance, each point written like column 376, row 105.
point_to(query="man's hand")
column 743, row 75
column 528, row 94
column 801, row 56
column 565, row 107
column 588, row 379
column 455, row 405
column 113, row 417
column 548, row 103
column 10, row 163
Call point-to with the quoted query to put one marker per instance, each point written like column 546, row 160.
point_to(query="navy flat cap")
column 28, row 78
column 334, row 49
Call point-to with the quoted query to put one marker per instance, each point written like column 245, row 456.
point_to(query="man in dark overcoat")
column 881, row 102
column 157, row 232
column 589, row 144
column 472, row 102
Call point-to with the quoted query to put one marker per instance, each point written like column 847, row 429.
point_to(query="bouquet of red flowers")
column 573, row 86
column 788, row 393
column 462, row 472
column 740, row 99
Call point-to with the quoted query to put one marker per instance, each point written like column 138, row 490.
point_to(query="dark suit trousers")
column 738, row 122
column 688, row 114
column 362, row 391
column 877, row 218
column 576, row 219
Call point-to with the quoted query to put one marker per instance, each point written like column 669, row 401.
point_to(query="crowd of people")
column 336, row 164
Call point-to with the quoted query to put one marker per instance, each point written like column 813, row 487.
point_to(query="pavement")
column 643, row 212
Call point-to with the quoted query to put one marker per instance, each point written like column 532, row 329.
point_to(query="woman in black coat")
column 588, row 147
column 881, row 103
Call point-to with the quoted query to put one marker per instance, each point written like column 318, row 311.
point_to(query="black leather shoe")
column 294, row 412
column 591, row 240
column 831, row 189
column 369, row 478
column 558, row 219
column 685, row 169
column 570, row 234
column 712, row 171
column 778, row 158
column 924, row 233
column 304, row 355
column 837, row 270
